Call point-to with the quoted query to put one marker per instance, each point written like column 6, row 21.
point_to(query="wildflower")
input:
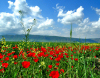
column 61, row 71
column 6, row 59
column 8, row 54
column 1, row 56
column 51, row 58
column 5, row 65
column 12, row 61
column 55, row 67
column 1, row 61
column 71, row 55
column 50, row 66
column 57, row 59
column 31, row 55
column 43, row 63
column 25, row 64
column 57, row 64
column 2, row 70
column 67, row 56
column 54, row 74
column 96, row 49
column 15, row 56
column 76, row 59
column 36, row 60
column 15, row 62
column 24, row 55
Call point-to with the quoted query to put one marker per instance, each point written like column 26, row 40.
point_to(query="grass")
column 49, row 60
column 82, row 59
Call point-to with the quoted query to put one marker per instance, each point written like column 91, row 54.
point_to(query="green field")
column 48, row 60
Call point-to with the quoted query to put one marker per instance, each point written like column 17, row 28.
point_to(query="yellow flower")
column 6, row 45
column 13, row 58
column 43, row 63
column 2, row 50
column 12, row 61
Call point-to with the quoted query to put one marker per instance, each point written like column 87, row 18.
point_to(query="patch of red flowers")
column 54, row 74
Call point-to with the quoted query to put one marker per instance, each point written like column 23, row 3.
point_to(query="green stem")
column 84, row 68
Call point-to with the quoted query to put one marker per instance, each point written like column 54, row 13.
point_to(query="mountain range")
column 44, row 38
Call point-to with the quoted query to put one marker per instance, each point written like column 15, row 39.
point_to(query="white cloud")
column 84, row 28
column 88, row 29
column 85, row 22
column 47, row 32
column 88, row 26
column 10, row 24
column 96, row 9
column 10, row 4
column 48, row 22
column 22, row 5
column 70, row 16
column 96, row 24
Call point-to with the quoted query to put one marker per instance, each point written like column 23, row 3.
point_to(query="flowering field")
column 49, row 60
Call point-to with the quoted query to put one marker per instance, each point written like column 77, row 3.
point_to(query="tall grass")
column 70, row 52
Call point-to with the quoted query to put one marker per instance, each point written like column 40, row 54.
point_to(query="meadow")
column 49, row 60
column 24, row 59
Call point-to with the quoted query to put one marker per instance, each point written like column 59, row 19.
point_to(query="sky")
column 52, row 17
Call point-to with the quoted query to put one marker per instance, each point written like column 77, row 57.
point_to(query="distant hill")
column 96, row 39
column 42, row 38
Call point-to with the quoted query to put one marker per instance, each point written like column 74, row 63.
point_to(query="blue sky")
column 53, row 17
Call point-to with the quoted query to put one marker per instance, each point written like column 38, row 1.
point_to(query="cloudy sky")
column 53, row 17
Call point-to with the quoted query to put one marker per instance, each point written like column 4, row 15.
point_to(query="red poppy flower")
column 51, row 58
column 5, row 65
column 15, row 62
column 1, row 56
column 2, row 70
column 25, row 64
column 6, row 59
column 57, row 59
column 15, row 56
column 57, row 64
column 36, row 60
column 50, row 66
column 8, row 54
column 62, row 70
column 54, row 74
column 76, row 59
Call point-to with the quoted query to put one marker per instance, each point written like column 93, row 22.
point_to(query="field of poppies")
column 49, row 60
